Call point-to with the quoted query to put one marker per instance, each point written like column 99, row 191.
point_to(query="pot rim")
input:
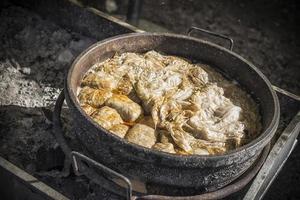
column 261, row 140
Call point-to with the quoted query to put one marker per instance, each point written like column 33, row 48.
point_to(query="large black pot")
column 149, row 165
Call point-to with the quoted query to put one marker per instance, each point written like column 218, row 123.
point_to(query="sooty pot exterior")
column 149, row 165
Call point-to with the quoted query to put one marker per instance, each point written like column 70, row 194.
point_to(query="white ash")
column 15, row 89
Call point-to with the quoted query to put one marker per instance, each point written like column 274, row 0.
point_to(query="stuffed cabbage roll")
column 165, row 147
column 120, row 130
column 142, row 135
column 100, row 80
column 88, row 109
column 93, row 97
column 107, row 117
column 147, row 120
column 124, row 86
column 128, row 109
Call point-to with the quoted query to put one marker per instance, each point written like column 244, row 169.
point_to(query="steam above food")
column 168, row 104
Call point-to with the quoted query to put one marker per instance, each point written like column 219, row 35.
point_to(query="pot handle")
column 58, row 133
column 277, row 89
column 77, row 159
column 193, row 28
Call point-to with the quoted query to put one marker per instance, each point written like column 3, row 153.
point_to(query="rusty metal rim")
column 262, row 140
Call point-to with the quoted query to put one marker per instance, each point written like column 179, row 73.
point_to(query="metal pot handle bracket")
column 59, row 135
column 277, row 89
column 80, row 162
column 193, row 28
column 79, row 169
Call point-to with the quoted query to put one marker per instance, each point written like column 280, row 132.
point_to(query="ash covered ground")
column 35, row 55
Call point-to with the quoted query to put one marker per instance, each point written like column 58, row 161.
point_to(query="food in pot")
column 88, row 109
column 107, row 117
column 120, row 130
column 94, row 97
column 128, row 109
column 142, row 135
column 166, row 147
column 169, row 104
